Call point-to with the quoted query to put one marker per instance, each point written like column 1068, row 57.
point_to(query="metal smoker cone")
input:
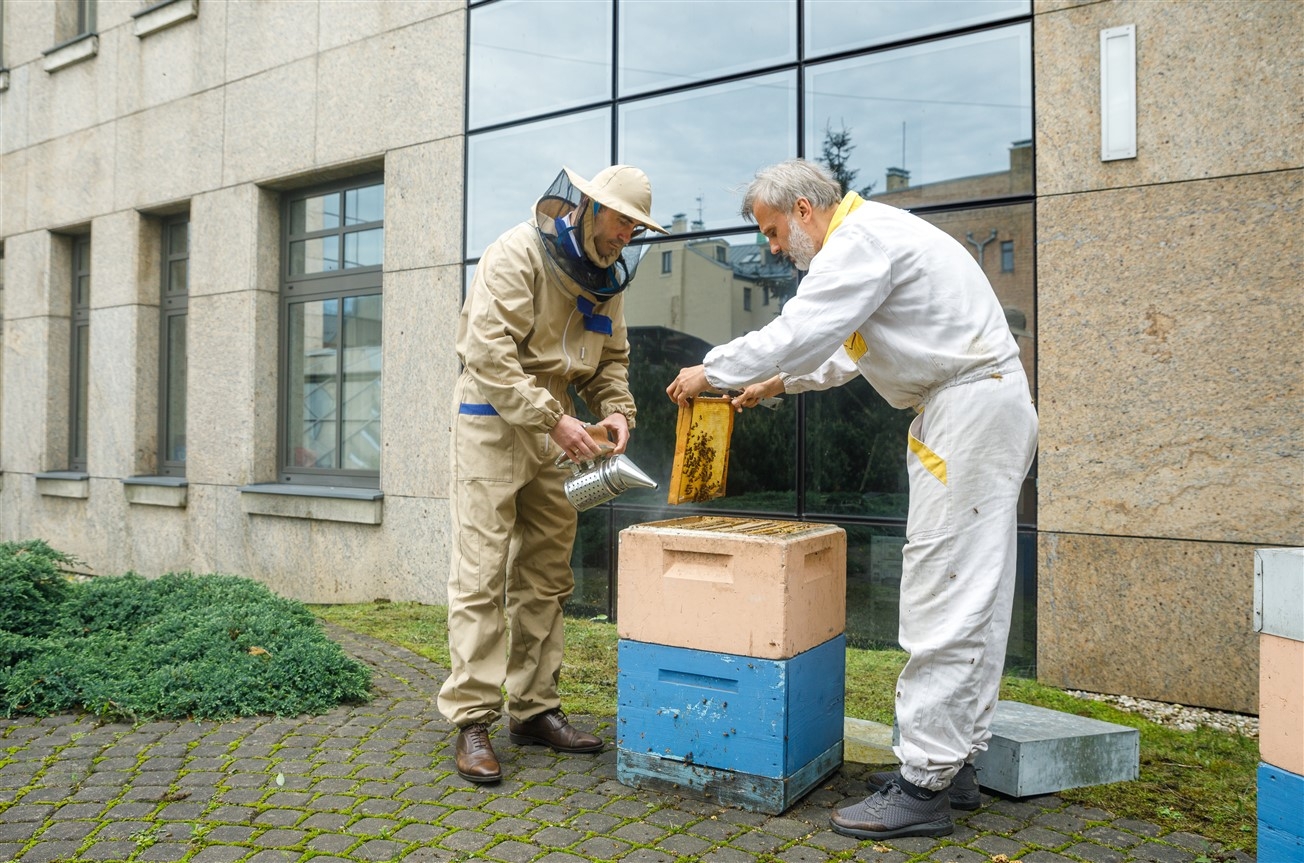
column 627, row 475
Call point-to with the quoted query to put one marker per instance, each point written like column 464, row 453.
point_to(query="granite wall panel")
column 1237, row 110
column 1170, row 377
column 1162, row 619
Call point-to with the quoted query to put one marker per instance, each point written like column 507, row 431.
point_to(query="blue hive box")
column 1281, row 815
column 755, row 733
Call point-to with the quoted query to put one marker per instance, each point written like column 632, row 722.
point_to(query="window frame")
column 172, row 304
column 297, row 288
column 79, row 320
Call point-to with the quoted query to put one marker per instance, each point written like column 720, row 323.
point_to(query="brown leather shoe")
column 550, row 728
column 476, row 761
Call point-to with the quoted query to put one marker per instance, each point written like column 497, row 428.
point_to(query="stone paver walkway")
column 375, row 782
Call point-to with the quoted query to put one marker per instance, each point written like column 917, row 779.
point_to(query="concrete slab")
column 1033, row 750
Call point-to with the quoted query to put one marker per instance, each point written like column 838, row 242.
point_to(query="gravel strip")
column 1178, row 716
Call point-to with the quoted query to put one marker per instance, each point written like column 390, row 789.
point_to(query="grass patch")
column 1199, row 781
column 181, row 645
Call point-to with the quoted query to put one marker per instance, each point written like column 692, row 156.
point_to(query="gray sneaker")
column 963, row 790
column 896, row 809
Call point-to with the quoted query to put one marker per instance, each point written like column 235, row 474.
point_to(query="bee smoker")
column 601, row 479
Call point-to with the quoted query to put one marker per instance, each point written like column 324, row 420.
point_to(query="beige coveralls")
column 522, row 341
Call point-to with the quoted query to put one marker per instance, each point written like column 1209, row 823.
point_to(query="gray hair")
column 779, row 186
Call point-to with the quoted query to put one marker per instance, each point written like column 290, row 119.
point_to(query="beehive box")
column 700, row 469
column 1281, row 835
column 1281, row 702
column 751, row 732
column 751, row 587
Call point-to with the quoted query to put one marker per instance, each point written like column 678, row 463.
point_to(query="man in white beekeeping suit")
column 544, row 313
column 890, row 297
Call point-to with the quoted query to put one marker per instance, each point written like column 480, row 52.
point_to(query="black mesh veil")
column 566, row 251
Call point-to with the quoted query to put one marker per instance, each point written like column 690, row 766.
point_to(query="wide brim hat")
column 624, row 189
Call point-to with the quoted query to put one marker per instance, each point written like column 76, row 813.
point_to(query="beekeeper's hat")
column 624, row 189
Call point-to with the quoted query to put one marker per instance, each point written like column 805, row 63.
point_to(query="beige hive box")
column 748, row 587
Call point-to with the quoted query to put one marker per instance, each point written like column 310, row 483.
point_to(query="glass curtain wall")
column 923, row 105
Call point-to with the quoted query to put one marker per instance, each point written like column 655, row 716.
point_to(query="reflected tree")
column 836, row 156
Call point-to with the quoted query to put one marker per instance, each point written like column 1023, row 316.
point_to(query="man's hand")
column 615, row 426
column 690, row 383
column 752, row 395
column 576, row 438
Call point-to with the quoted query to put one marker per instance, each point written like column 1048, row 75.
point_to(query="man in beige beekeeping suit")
column 543, row 313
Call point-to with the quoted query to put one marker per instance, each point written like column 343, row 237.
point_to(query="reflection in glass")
column 507, row 171
column 315, row 214
column 674, row 317
column 855, row 453
column 360, row 413
column 82, row 340
column 919, row 129
column 174, row 398
column 364, row 205
column 836, row 25
column 313, row 384
column 364, row 248
column 178, row 238
column 528, row 58
column 319, row 255
column 666, row 43
column 699, row 147
column 178, row 276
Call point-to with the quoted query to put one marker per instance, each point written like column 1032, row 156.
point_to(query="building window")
column 80, row 352
column 330, row 406
column 880, row 93
column 73, row 19
column 174, row 299
column 666, row 259
column 1007, row 256
column 747, row 299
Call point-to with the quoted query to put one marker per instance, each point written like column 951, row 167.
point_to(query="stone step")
column 1033, row 750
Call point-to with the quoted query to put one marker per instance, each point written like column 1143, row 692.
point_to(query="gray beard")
column 801, row 248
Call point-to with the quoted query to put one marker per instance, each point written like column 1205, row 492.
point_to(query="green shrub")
column 33, row 585
column 182, row 645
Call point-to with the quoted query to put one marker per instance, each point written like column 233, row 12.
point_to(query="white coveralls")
column 522, row 340
column 921, row 322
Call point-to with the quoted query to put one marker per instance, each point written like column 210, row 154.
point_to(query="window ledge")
column 73, row 51
column 161, row 16
column 155, row 490
column 324, row 503
column 64, row 483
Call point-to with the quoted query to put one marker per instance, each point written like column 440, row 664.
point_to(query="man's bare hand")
column 575, row 439
column 752, row 395
column 690, row 383
column 615, row 431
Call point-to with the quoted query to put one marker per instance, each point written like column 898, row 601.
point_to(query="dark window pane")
column 315, row 214
column 313, row 384
column 82, row 347
column 360, row 411
column 507, row 171
column 364, row 248
column 699, row 147
column 917, row 130
column 836, row 25
column 364, row 205
column 530, row 57
column 174, row 400
column 179, row 238
column 855, row 453
column 665, row 43
column 674, row 319
column 178, row 276
column 314, row 256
